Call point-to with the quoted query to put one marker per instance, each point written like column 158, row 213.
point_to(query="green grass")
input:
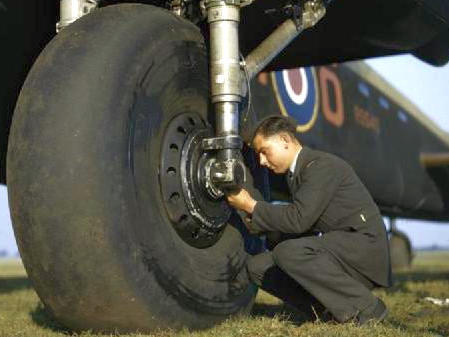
column 22, row 314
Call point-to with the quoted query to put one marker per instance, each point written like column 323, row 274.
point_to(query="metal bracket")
column 220, row 143
column 293, row 10
column 238, row 3
column 72, row 10
column 313, row 12
column 178, row 7
column 191, row 10
column 229, row 174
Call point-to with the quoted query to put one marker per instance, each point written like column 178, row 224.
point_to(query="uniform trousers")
column 305, row 274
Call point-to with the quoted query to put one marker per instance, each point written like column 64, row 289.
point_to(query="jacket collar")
column 303, row 159
column 294, row 162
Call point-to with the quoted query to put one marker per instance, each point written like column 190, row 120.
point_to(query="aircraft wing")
column 435, row 160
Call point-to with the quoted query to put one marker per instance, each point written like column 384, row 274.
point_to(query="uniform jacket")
column 328, row 197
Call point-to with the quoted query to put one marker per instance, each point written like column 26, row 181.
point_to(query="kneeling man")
column 331, row 248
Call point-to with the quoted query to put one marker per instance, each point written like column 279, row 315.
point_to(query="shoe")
column 376, row 314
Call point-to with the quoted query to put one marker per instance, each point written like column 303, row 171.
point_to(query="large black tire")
column 84, row 189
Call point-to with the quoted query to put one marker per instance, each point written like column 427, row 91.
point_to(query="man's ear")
column 285, row 138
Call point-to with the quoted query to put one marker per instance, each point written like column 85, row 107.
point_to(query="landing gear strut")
column 400, row 248
column 227, row 170
column 227, row 78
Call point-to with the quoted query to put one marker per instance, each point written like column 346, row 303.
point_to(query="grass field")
column 22, row 314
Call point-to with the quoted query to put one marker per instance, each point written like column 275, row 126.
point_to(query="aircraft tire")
column 400, row 250
column 84, row 178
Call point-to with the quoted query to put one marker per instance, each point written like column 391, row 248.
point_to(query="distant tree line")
column 432, row 248
column 5, row 253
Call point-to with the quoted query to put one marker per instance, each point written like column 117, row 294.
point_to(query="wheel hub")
column 198, row 215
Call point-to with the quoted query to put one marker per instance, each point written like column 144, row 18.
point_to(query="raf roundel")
column 297, row 96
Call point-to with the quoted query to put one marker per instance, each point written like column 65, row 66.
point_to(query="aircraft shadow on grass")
column 400, row 279
column 10, row 284
column 42, row 317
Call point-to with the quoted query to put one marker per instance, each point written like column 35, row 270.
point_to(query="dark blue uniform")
column 339, row 266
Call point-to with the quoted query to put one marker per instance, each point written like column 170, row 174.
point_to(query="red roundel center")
column 295, row 79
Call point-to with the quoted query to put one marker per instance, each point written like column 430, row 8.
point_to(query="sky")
column 424, row 85
column 7, row 241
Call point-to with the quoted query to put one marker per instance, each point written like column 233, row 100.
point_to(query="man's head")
column 276, row 143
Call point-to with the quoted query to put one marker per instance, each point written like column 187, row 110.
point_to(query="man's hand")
column 242, row 200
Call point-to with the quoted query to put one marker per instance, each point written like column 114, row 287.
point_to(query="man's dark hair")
column 274, row 125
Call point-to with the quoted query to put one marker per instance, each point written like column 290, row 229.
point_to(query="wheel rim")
column 197, row 216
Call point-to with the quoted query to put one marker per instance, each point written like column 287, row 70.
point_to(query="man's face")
column 275, row 152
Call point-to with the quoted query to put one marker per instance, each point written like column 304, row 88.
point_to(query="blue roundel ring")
column 296, row 92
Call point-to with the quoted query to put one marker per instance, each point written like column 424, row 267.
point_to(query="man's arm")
column 319, row 182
